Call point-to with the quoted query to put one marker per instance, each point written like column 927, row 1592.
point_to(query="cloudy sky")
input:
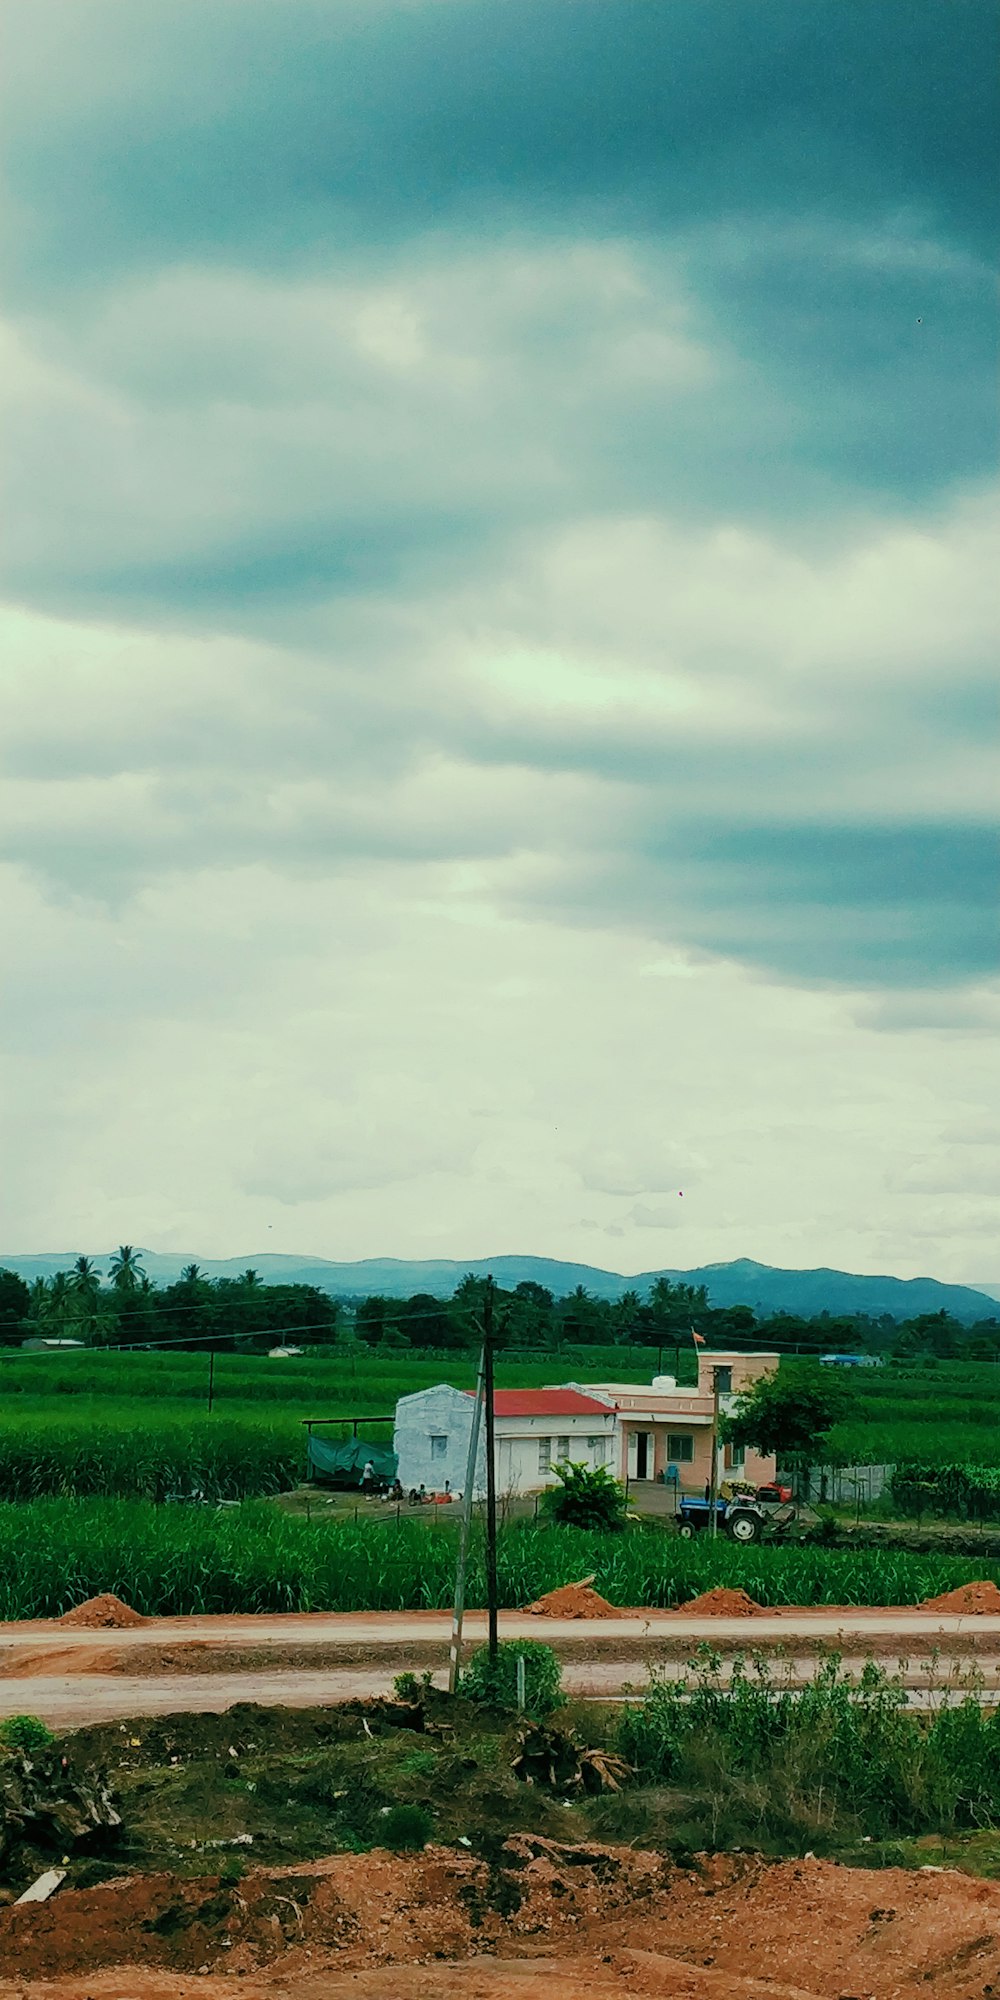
column 499, row 625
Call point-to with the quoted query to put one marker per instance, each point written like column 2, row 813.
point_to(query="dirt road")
column 69, row 1676
column 874, row 1631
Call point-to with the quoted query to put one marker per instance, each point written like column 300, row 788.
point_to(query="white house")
column 642, row 1431
column 536, row 1429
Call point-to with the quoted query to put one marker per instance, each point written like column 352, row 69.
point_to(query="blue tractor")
column 744, row 1518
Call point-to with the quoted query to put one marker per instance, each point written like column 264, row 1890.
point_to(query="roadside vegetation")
column 839, row 1768
column 253, row 1557
column 842, row 1759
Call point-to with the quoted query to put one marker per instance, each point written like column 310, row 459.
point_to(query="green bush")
column 587, row 1496
column 406, row 1827
column 972, row 1492
column 25, row 1732
column 494, row 1682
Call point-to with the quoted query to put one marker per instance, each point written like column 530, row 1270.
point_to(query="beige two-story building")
column 663, row 1432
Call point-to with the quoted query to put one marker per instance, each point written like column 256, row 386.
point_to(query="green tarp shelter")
column 342, row 1464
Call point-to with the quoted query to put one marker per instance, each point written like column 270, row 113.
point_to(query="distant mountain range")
column 766, row 1288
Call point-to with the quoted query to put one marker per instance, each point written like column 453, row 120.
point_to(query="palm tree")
column 38, row 1304
column 126, row 1269
column 59, row 1300
column 85, row 1279
column 192, row 1275
column 251, row 1279
column 85, row 1284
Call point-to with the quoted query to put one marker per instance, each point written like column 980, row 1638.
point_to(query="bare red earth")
column 982, row 1599
column 720, row 1603
column 545, row 1922
column 575, row 1600
column 104, row 1613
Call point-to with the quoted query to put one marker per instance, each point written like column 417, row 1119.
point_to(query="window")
column 724, row 1379
column 562, row 1450
column 439, row 1447
column 545, row 1454
column 596, row 1448
column 735, row 1455
column 680, row 1447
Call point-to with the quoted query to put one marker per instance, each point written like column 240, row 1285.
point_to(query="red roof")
column 547, row 1403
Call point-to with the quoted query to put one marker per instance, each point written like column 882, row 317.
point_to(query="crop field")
column 949, row 1412
column 166, row 1560
column 112, row 1423
column 138, row 1424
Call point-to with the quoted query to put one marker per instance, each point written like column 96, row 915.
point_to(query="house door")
column 640, row 1455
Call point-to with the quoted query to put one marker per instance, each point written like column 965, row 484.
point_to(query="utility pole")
column 472, row 1466
column 714, row 1486
column 491, row 1471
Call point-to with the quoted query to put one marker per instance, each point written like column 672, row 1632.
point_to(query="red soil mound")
column 573, row 1921
column 721, row 1603
column 969, row 1597
column 574, row 1600
column 104, row 1613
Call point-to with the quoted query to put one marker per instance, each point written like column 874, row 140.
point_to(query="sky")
column 498, row 721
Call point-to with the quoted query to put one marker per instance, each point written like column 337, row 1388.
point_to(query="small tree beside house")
column 790, row 1414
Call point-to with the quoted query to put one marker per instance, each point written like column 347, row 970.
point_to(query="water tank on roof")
column 664, row 1384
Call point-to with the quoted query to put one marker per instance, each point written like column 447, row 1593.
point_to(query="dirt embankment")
column 542, row 1919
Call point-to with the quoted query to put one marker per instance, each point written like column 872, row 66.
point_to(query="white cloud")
column 382, row 816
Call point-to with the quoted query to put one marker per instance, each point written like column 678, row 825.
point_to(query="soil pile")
column 970, row 1598
column 104, row 1613
column 721, row 1603
column 541, row 1921
column 574, row 1600
column 374, row 1908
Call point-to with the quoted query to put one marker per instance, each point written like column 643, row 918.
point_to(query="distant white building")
column 536, row 1429
column 40, row 1346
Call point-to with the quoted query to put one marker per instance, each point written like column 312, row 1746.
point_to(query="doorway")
column 640, row 1455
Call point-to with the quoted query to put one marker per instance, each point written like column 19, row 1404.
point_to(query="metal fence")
column 848, row 1485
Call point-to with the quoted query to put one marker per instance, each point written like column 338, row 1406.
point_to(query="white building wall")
column 588, row 1440
column 444, row 1414
column 431, row 1439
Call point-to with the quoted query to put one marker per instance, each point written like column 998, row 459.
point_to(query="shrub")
column 807, row 1760
column 406, row 1827
column 972, row 1492
column 587, row 1496
column 25, row 1732
column 494, row 1682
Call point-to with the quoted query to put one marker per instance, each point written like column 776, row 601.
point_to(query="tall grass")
column 255, row 1558
column 778, row 1758
column 147, row 1451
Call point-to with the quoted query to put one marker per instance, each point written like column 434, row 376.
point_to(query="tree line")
column 122, row 1306
column 531, row 1317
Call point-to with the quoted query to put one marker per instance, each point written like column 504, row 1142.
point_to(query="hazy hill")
column 742, row 1282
